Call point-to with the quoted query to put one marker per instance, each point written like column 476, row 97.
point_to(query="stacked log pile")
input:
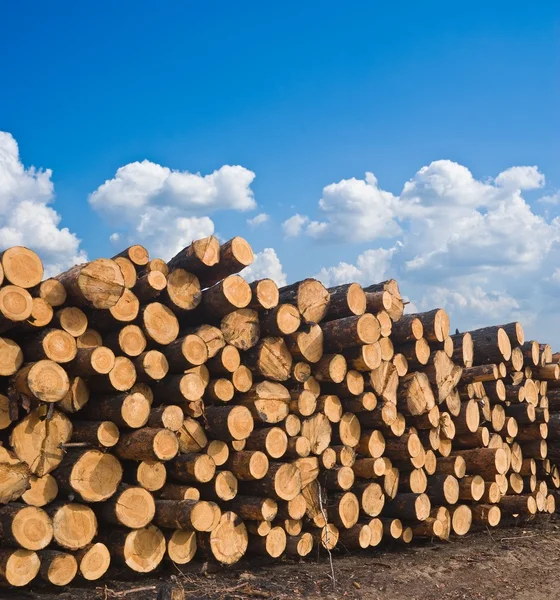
column 153, row 411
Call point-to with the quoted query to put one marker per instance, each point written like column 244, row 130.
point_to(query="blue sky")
column 303, row 95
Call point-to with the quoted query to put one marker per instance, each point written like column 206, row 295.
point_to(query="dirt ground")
column 515, row 563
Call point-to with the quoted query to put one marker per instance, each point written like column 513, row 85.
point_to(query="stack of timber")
column 154, row 411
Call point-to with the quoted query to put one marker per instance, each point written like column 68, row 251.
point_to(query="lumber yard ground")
column 508, row 563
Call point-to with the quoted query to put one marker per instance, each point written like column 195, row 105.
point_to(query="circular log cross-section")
column 159, row 323
column 16, row 305
column 91, row 474
column 19, row 567
column 58, row 568
column 229, row 541
column 183, row 290
column 28, row 527
column 311, row 298
column 21, row 267
column 11, row 357
column 93, row 561
column 265, row 294
column 74, row 525
column 142, row 550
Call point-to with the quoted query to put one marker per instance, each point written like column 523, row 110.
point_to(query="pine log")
column 74, row 525
column 41, row 315
column 415, row 395
column 309, row 296
column 149, row 474
column 491, row 345
column 57, row 568
column 16, row 306
column 125, row 410
column 241, row 328
column 93, row 561
column 98, row 284
column 187, row 514
column 270, row 359
column 147, row 443
column 178, row 388
column 272, row 440
column 182, row 292
column 18, row 567
column 128, row 270
column 51, row 344
column 461, row 519
column 36, row 440
column 306, row 345
column 192, row 468
column 198, row 257
column 225, row 362
column 267, row 401
column 485, row 461
column 415, row 507
column 379, row 301
column 345, row 301
column 228, row 542
column 50, row 290
column 103, row 434
column 91, row 474
column 159, row 323
column 265, row 295
column 41, row 491
column 242, row 379
column 11, row 357
column 136, row 254
column 229, row 422
column 44, row 380
column 141, row 550
column 130, row 506
column 282, row 482
column 350, row 331
column 364, row 358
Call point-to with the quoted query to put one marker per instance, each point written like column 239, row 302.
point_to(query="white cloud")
column 371, row 266
column 167, row 209
column 25, row 217
column 553, row 198
column 472, row 245
column 266, row 265
column 294, row 225
column 258, row 220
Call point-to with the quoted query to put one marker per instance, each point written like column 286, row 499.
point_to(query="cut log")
column 98, row 284
column 50, row 290
column 92, row 361
column 58, row 568
column 130, row 506
column 125, row 410
column 270, row 359
column 177, row 388
column 41, row 315
column 44, row 380
column 300, row 545
column 103, row 434
column 18, row 567
column 485, row 461
column 74, row 525
column 141, row 550
column 11, row 357
column 379, row 301
column 309, row 296
column 228, row 542
column 192, row 468
column 93, row 561
column 248, row 465
column 345, row 301
column 351, row 331
column 129, row 340
column 491, row 345
column 120, row 378
column 282, row 482
column 229, row 422
column 241, row 328
column 182, row 292
column 187, row 514
column 91, row 474
column 89, row 339
column 21, row 266
column 225, row 362
column 265, row 295
column 136, row 254
column 24, row 526
column 461, row 519
column 272, row 440
column 198, row 257
column 234, row 256
column 149, row 474
column 435, row 324
column 16, row 306
column 306, row 345
column 226, row 296
column 415, row 507
column 415, row 395
column 364, row 358
column 128, row 270
column 159, row 323
column 147, row 443
column 36, row 440
column 150, row 285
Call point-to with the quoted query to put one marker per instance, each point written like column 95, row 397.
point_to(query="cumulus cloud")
column 167, row 209
column 258, row 220
column 550, row 198
column 26, row 219
column 266, row 265
column 294, row 225
column 472, row 245
column 371, row 266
